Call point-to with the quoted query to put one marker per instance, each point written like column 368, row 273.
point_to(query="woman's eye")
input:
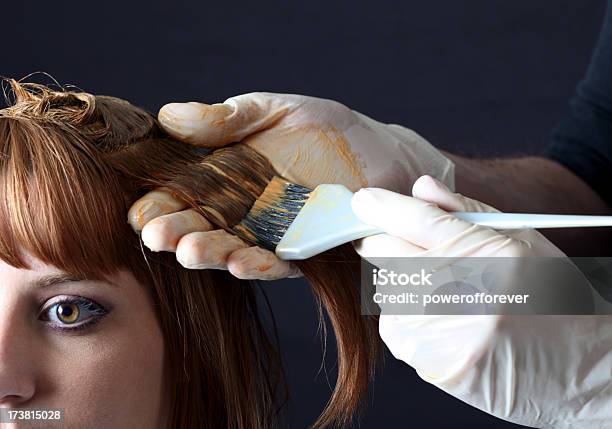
column 72, row 312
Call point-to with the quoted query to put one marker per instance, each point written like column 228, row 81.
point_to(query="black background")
column 481, row 77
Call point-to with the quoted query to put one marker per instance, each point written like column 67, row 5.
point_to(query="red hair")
column 71, row 164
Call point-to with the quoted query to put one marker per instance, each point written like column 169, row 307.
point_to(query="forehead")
column 36, row 268
column 122, row 282
column 34, row 264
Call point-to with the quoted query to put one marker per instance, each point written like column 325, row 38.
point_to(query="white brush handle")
column 526, row 220
column 327, row 220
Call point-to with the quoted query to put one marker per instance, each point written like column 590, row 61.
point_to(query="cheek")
column 114, row 376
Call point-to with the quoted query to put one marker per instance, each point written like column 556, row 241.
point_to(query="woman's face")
column 94, row 349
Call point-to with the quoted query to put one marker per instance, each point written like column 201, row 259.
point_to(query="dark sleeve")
column 583, row 140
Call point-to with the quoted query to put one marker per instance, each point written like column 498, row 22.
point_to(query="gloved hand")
column 540, row 371
column 308, row 140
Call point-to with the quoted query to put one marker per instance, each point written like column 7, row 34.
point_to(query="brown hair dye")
column 71, row 165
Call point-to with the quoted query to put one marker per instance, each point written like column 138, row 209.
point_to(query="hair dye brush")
column 297, row 222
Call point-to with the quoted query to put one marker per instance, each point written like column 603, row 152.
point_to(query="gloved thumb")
column 430, row 189
column 419, row 222
column 215, row 125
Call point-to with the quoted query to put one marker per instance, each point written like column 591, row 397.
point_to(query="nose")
column 17, row 374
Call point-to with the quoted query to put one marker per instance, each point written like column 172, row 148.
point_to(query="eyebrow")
column 55, row 280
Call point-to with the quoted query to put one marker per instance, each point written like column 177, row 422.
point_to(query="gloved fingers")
column 214, row 250
column 164, row 232
column 385, row 245
column 165, row 225
column 252, row 263
column 422, row 223
column 156, row 203
column 208, row 249
column 215, row 125
column 430, row 189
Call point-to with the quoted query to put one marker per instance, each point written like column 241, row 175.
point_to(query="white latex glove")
column 308, row 140
column 540, row 371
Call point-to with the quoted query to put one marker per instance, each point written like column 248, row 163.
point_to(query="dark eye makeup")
column 70, row 313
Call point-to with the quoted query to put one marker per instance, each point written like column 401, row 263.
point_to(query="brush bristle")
column 273, row 213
